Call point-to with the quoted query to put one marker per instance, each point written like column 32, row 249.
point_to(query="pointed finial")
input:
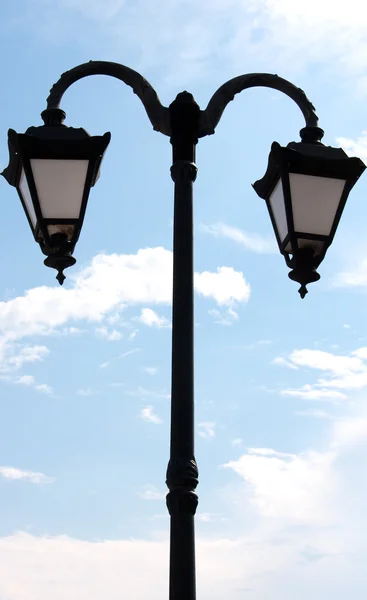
column 303, row 291
column 60, row 277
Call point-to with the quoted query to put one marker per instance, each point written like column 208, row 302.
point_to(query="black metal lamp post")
column 305, row 187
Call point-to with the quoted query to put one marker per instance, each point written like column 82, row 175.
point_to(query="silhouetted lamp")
column 53, row 168
column 306, row 186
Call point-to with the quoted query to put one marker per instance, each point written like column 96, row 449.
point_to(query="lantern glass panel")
column 60, row 186
column 315, row 201
column 277, row 205
column 27, row 198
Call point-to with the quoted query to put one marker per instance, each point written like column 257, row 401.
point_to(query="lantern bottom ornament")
column 59, row 255
column 303, row 269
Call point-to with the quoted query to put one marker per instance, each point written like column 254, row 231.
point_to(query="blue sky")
column 85, row 369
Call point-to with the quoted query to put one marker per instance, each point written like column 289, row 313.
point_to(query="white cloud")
column 147, row 414
column 339, row 373
column 206, row 429
column 280, row 361
column 151, row 493
column 350, row 432
column 326, row 361
column 129, row 353
column 355, row 277
column 207, row 517
column 111, row 336
column 264, row 565
column 356, row 147
column 150, row 318
column 86, row 392
column 106, row 363
column 13, row 356
column 236, row 442
column 227, row 286
column 306, row 541
column 296, row 34
column 184, row 40
column 17, row 474
column 308, row 487
column 315, row 413
column 26, row 380
column 150, row 370
column 246, row 565
column 44, row 388
column 308, row 392
column 30, row 380
column 250, row 241
column 106, row 286
column 288, row 486
column 224, row 317
column 28, row 354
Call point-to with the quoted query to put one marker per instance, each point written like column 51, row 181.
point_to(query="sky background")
column 281, row 416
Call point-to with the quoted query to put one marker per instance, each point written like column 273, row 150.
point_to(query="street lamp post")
column 305, row 187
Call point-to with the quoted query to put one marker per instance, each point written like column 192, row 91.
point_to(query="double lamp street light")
column 306, row 186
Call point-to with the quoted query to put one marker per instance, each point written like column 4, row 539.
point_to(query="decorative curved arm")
column 157, row 113
column 210, row 117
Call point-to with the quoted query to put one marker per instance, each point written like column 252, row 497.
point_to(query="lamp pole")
column 184, row 123
column 182, row 472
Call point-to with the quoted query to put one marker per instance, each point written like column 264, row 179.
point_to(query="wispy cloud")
column 13, row 356
column 206, row 430
column 150, row 318
column 147, row 414
column 129, row 353
column 356, row 276
column 86, row 392
column 150, row 370
column 303, row 488
column 251, row 241
column 314, row 413
column 236, row 442
column 207, row 517
column 17, row 474
column 355, row 147
column 224, row 317
column 111, row 336
column 283, row 362
column 340, row 373
column 150, row 492
column 183, row 40
column 105, row 364
column 309, row 392
column 289, row 486
column 29, row 380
